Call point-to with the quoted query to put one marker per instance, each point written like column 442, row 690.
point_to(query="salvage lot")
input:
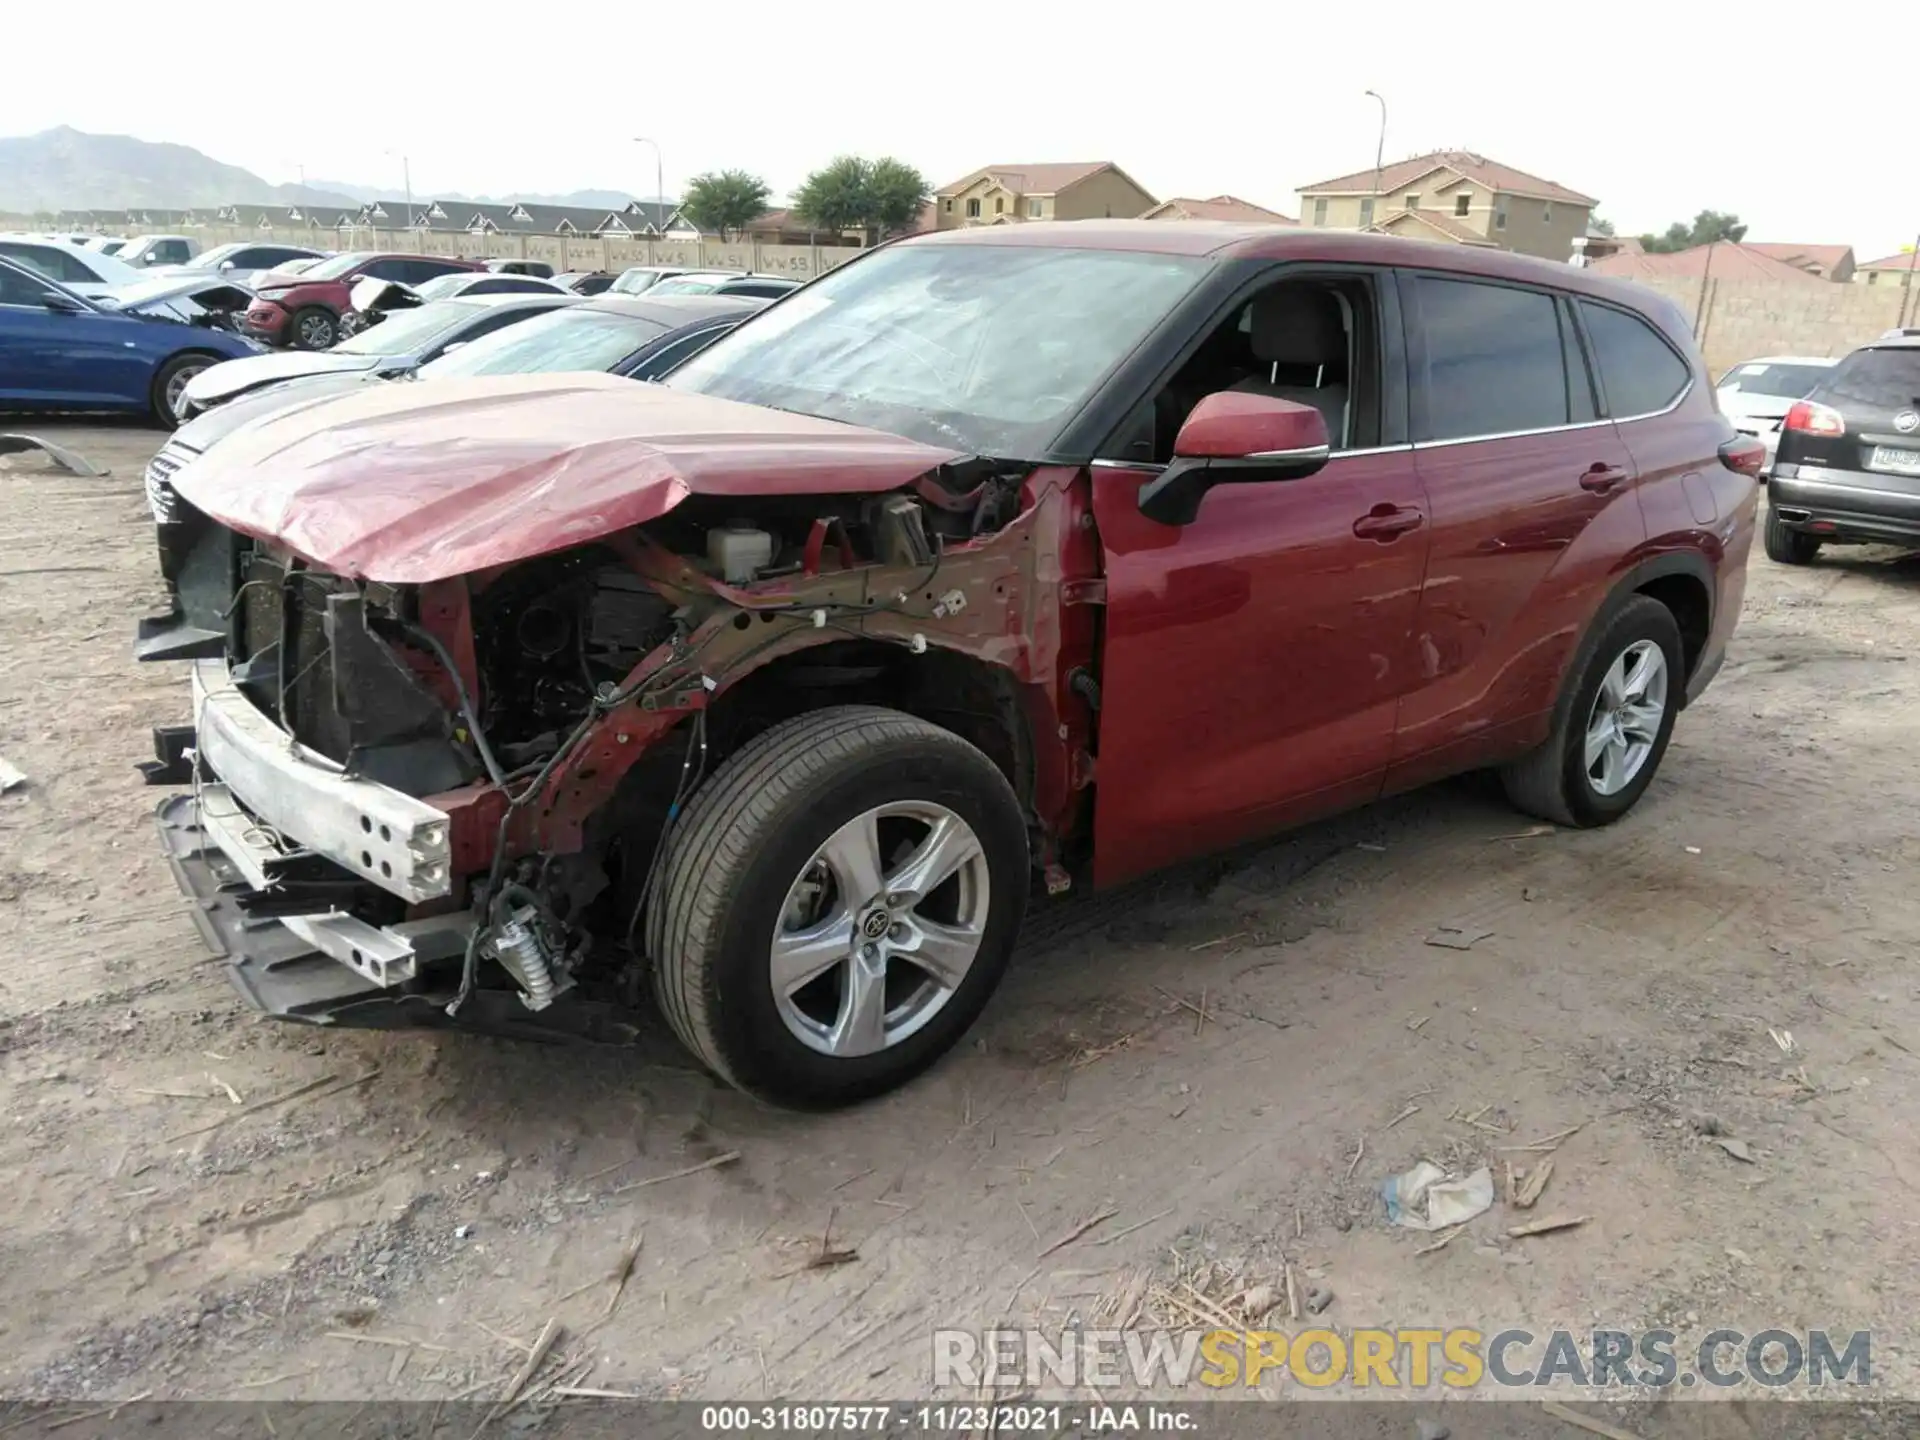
column 1199, row 1055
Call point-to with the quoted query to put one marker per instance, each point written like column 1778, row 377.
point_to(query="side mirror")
column 1235, row 438
column 226, row 266
column 62, row 304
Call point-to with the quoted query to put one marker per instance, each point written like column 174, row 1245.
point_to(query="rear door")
column 1532, row 501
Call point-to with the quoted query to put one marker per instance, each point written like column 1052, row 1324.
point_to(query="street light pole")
column 659, row 185
column 1379, row 152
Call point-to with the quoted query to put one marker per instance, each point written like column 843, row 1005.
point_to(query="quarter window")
column 1495, row 363
column 1638, row 370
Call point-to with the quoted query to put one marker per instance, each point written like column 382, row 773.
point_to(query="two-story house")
column 1455, row 196
column 1004, row 194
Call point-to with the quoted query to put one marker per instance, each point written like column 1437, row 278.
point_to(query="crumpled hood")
column 208, row 428
column 222, row 382
column 411, row 483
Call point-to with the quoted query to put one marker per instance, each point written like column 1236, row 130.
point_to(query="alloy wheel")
column 176, row 393
column 1624, row 724
column 880, row 928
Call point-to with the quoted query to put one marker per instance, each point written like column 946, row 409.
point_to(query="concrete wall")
column 563, row 252
column 1739, row 319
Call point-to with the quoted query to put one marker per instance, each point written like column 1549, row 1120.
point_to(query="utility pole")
column 1379, row 153
column 1911, row 300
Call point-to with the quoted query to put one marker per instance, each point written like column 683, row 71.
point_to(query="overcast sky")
column 1658, row 107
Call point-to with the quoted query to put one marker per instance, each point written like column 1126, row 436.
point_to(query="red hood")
column 418, row 481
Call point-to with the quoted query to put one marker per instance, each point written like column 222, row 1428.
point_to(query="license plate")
column 1893, row 457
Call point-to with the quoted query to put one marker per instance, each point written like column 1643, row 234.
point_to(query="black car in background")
column 1848, row 467
column 586, row 282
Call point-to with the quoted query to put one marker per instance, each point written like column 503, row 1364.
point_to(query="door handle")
column 1601, row 478
column 1386, row 522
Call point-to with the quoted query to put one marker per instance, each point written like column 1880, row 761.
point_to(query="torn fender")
column 409, row 484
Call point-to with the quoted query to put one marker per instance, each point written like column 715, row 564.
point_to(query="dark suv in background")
column 303, row 311
column 1848, row 468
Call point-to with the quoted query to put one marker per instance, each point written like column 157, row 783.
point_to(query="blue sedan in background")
column 61, row 352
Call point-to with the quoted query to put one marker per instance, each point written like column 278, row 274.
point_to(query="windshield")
column 211, row 259
column 1784, row 382
column 691, row 284
column 442, row 285
column 406, row 332
column 987, row 348
column 336, row 267
column 547, row 344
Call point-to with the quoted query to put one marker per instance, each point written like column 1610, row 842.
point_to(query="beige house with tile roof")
column 1454, row 196
column 1220, row 207
column 1895, row 271
column 1008, row 194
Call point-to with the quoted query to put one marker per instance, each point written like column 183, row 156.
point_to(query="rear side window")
column 1886, row 379
column 1495, row 361
column 1638, row 370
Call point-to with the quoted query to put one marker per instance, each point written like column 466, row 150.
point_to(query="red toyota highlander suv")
column 1048, row 553
column 304, row 310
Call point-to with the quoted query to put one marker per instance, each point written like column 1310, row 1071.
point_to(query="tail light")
column 1811, row 418
column 1744, row 454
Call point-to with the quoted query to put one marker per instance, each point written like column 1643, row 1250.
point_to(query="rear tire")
column 1591, row 772
column 313, row 328
column 755, row 865
column 1786, row 546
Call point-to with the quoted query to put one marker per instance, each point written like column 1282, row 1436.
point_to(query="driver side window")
column 1314, row 340
column 19, row 288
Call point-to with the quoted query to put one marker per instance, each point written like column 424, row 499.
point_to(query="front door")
column 55, row 357
column 1533, row 502
column 1252, row 660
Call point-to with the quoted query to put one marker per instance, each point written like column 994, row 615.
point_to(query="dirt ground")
column 416, row 1208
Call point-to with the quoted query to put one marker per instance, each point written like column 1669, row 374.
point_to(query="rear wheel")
column 170, row 387
column 1787, row 546
column 314, row 328
column 1612, row 730
column 837, row 904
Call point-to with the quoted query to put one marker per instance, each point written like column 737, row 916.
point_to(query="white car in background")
column 1756, row 394
column 145, row 250
column 243, row 262
column 83, row 271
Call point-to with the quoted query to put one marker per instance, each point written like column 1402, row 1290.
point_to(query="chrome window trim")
column 1674, row 405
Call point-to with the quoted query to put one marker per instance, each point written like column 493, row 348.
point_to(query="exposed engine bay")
column 558, row 712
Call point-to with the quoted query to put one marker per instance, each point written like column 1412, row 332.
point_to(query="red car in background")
column 303, row 311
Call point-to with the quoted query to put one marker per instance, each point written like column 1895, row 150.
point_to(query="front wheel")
column 314, row 329
column 1612, row 731
column 837, row 904
column 168, row 401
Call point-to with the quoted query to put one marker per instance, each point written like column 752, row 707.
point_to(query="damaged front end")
column 444, row 801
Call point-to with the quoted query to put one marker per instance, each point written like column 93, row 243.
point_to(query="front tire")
column 313, row 328
column 837, row 904
column 1612, row 730
column 1786, row 546
column 170, row 384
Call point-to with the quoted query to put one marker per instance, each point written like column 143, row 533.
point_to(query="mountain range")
column 68, row 169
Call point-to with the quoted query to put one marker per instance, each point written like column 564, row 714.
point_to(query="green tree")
column 875, row 197
column 897, row 194
column 1598, row 226
column 834, row 197
column 724, row 202
column 1708, row 226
